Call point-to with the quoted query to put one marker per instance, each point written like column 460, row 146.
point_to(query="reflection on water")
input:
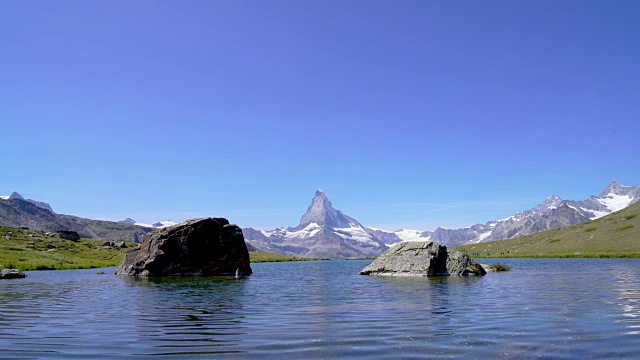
column 554, row 308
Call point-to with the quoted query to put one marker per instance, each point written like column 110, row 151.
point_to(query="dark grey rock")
column 208, row 246
column 422, row 258
column 12, row 274
column 67, row 234
column 459, row 263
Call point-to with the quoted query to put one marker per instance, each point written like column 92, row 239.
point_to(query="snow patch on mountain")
column 411, row 235
column 158, row 225
column 483, row 236
column 615, row 202
column 306, row 232
column 356, row 233
column 165, row 223
column 597, row 214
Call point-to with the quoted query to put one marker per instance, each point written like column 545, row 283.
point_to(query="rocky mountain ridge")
column 40, row 204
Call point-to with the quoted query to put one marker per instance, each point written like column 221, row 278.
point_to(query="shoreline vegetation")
column 263, row 256
column 31, row 250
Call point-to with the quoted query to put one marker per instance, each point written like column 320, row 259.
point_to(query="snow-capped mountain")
column 40, row 204
column 158, row 225
column 323, row 232
column 550, row 213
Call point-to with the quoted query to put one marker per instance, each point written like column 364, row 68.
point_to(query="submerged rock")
column 12, row 274
column 208, row 246
column 422, row 258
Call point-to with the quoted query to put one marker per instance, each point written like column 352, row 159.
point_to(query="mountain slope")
column 40, row 204
column 22, row 213
column 323, row 232
column 616, row 234
column 550, row 213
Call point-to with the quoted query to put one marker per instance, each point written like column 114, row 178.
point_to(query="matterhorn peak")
column 320, row 193
column 322, row 213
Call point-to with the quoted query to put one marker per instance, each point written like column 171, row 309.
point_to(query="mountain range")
column 326, row 232
column 16, row 211
column 40, row 204
column 551, row 213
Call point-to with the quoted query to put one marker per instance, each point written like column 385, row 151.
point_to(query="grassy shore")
column 615, row 235
column 32, row 250
column 262, row 256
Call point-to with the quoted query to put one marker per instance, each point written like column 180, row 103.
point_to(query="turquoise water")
column 544, row 308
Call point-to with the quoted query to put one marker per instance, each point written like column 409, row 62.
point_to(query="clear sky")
column 412, row 114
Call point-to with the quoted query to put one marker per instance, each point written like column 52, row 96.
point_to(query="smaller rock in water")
column 422, row 258
column 12, row 274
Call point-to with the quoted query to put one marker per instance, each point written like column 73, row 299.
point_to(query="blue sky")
column 411, row 114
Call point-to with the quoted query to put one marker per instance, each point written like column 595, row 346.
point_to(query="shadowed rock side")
column 12, row 274
column 422, row 258
column 208, row 246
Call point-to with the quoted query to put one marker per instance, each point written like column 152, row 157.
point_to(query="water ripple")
column 550, row 308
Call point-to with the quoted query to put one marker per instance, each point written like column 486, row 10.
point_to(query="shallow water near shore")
column 550, row 308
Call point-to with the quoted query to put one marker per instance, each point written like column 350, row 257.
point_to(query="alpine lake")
column 543, row 308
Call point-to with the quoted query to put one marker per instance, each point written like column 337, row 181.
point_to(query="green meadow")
column 32, row 250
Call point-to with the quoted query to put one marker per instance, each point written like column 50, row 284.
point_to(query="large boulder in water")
column 422, row 258
column 208, row 246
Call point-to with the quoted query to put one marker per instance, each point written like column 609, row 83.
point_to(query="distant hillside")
column 32, row 250
column 615, row 235
column 22, row 213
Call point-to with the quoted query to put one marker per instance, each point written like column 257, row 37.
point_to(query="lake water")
column 543, row 308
